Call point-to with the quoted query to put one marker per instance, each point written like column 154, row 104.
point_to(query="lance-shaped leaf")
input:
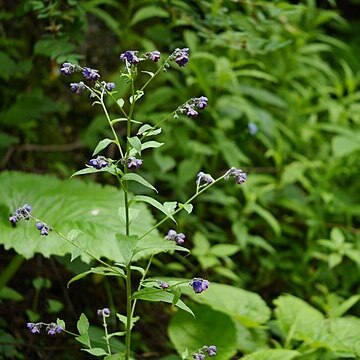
column 137, row 178
column 153, row 294
column 135, row 143
column 102, row 145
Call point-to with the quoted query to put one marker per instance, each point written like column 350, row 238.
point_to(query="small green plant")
column 131, row 139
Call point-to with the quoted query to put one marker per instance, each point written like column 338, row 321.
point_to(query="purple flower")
column 211, row 350
column 201, row 102
column 133, row 163
column 199, row 285
column 44, row 231
column 108, row 86
column 99, row 163
column 77, row 88
column 53, row 329
column 34, row 328
column 39, row 225
column 203, row 178
column 130, row 56
column 172, row 235
column 103, row 312
column 153, row 56
column 164, row 285
column 239, row 175
column 191, row 112
column 181, row 56
column 198, row 356
column 91, row 74
column 21, row 213
column 68, row 69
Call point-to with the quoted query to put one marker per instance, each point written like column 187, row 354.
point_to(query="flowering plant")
column 132, row 247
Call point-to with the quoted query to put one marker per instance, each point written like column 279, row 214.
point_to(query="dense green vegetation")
column 282, row 252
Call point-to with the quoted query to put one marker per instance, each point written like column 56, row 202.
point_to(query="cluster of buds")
column 51, row 329
column 132, row 163
column 44, row 228
column 180, row 56
column 172, row 235
column 21, row 213
column 199, row 285
column 209, row 350
column 190, row 107
column 203, row 179
column 68, row 68
column 105, row 312
column 239, row 175
column 99, row 163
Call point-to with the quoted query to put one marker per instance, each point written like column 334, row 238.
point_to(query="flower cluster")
column 44, row 229
column 199, row 285
column 51, row 329
column 103, row 312
column 110, row 86
column 91, row 74
column 239, row 175
column 210, row 350
column 204, row 179
column 133, row 163
column 153, row 56
column 21, row 213
column 172, row 235
column 77, row 88
column 99, row 163
column 68, row 68
column 180, row 56
column 130, row 57
column 190, row 106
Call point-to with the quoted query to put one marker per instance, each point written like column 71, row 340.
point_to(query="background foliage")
column 282, row 80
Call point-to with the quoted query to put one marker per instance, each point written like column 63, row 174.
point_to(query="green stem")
column 198, row 192
column 110, row 124
column 10, row 270
column 106, row 334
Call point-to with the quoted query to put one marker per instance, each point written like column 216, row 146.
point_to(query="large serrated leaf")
column 66, row 205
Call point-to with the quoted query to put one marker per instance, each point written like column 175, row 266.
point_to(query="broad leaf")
column 83, row 324
column 272, row 354
column 137, row 178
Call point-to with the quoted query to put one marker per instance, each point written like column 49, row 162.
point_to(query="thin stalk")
column 106, row 334
column 10, row 270
column 198, row 192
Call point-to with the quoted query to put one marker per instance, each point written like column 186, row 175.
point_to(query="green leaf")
column 222, row 250
column 244, row 306
column 209, row 327
column 92, row 170
column 187, row 207
column 297, row 319
column 272, row 354
column 153, row 294
column 66, row 205
column 137, row 178
column 149, row 200
column 96, row 351
column 126, row 245
column 102, row 145
column 133, row 98
column 60, row 323
column 136, row 144
column 121, row 103
column 83, row 339
column 344, row 145
column 148, row 12
column 83, row 324
column 151, row 144
column 7, row 293
column 119, row 356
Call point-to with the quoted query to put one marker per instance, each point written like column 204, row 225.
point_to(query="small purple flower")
column 68, row 69
column 239, row 175
column 53, row 329
column 99, row 163
column 103, row 312
column 191, row 112
column 110, row 86
column 153, row 56
column 181, row 56
column 44, row 231
column 21, row 213
column 133, row 163
column 34, row 328
column 77, row 88
column 198, row 356
column 203, row 178
column 91, row 74
column 172, row 235
column 130, row 56
column 199, row 285
column 164, row 285
column 211, row 350
column 201, row 102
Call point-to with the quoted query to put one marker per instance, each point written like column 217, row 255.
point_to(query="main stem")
column 127, row 222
